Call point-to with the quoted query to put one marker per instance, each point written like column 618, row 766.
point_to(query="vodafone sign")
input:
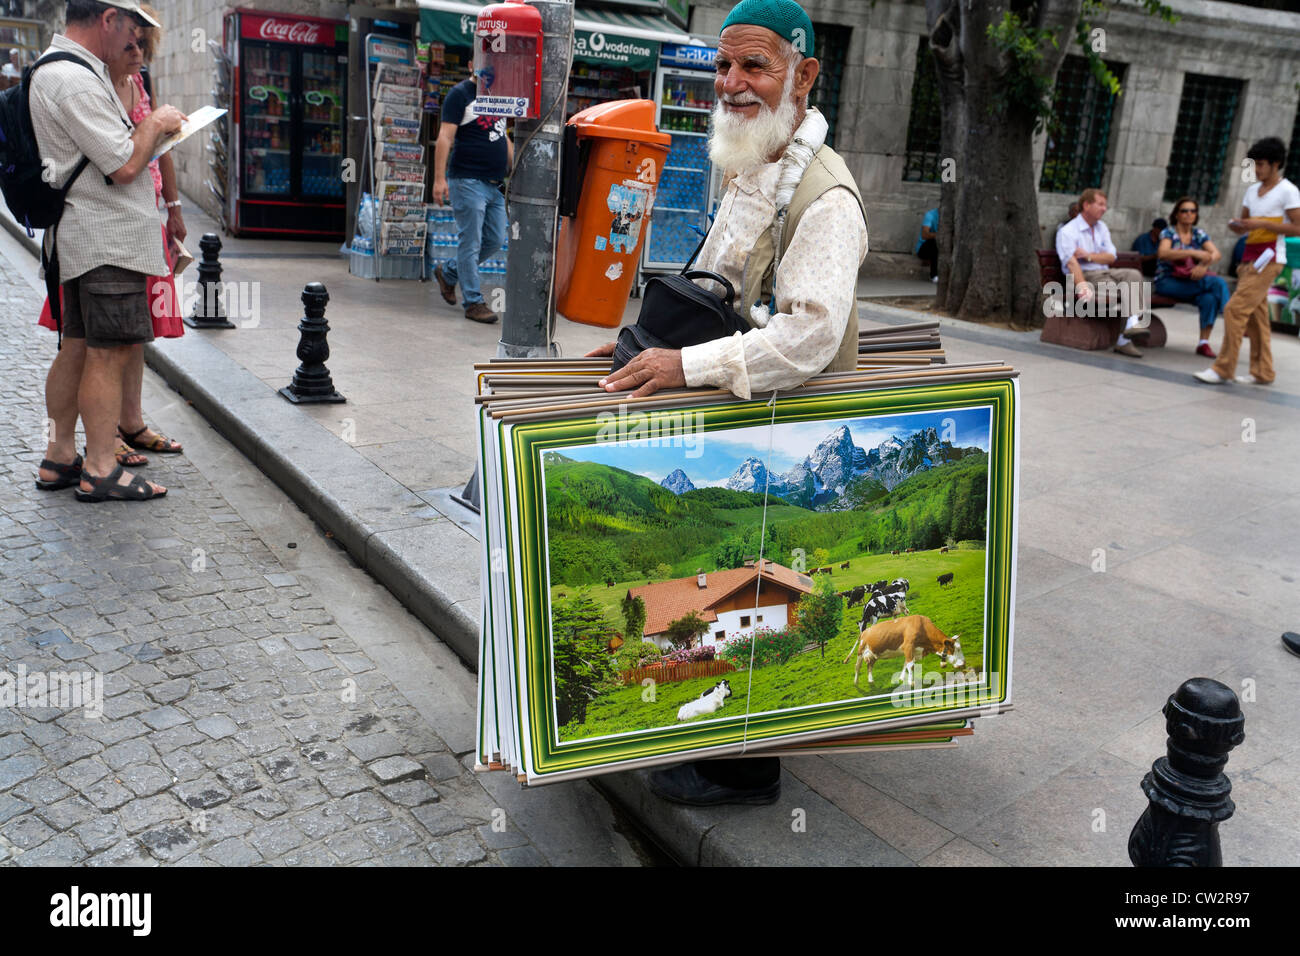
column 281, row 29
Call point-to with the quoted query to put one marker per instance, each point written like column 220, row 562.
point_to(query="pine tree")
column 580, row 636
column 820, row 614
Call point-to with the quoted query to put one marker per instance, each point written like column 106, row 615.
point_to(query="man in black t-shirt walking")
column 481, row 155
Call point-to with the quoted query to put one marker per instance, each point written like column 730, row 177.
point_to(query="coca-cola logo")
column 294, row 31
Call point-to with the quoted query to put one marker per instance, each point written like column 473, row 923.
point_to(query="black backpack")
column 35, row 202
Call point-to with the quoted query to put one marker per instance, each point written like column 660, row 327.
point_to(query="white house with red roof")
column 734, row 602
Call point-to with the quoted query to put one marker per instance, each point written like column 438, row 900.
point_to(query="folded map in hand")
column 195, row 122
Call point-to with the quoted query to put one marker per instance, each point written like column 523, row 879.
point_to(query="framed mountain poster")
column 729, row 576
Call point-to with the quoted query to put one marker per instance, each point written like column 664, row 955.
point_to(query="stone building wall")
column 183, row 71
column 1213, row 38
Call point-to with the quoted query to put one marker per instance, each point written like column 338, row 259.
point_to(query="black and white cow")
column 890, row 604
column 856, row 595
column 707, row 702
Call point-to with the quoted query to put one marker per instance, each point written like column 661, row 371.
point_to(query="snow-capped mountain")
column 823, row 476
column 678, row 483
column 752, row 475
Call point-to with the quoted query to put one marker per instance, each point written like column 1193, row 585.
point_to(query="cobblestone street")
column 241, row 723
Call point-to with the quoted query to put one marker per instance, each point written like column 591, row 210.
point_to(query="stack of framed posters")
column 685, row 575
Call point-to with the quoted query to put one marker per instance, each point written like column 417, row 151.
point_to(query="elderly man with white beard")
column 789, row 235
column 790, row 231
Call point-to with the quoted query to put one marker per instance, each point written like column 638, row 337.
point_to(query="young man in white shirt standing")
column 1269, row 213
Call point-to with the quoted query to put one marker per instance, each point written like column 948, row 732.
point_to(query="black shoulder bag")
column 675, row 313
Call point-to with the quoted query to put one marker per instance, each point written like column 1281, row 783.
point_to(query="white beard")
column 737, row 143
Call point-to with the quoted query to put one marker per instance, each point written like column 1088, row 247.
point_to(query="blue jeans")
column 481, row 228
column 1210, row 293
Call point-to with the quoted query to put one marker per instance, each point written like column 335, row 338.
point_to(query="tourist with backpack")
column 103, row 245
column 134, row 89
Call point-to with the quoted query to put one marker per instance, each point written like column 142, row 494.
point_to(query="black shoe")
column 1291, row 641
column 684, row 784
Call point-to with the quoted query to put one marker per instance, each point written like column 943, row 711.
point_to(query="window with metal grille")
column 1077, row 141
column 921, row 157
column 1293, row 151
column 831, row 47
column 1205, row 116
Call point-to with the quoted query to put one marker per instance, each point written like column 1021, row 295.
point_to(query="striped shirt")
column 76, row 113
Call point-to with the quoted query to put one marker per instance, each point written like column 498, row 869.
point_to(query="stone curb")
column 322, row 474
column 18, row 232
column 802, row 828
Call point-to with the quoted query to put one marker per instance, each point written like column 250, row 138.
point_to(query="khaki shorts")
column 107, row 307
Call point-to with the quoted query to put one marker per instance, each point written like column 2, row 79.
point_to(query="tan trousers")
column 1247, row 314
column 1119, row 292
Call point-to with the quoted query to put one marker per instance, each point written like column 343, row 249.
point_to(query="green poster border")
column 527, row 442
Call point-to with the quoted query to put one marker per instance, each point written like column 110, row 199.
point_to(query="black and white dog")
column 707, row 702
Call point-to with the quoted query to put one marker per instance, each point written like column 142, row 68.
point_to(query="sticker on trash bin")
column 628, row 203
column 614, row 271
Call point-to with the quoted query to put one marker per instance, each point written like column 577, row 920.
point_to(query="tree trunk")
column 988, row 210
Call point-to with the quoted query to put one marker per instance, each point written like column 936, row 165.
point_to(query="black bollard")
column 312, row 382
column 208, row 311
column 1187, row 787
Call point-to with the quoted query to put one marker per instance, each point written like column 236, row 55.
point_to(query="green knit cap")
column 783, row 17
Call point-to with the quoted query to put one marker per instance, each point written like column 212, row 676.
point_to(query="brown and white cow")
column 913, row 637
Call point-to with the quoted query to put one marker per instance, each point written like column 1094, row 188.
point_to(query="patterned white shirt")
column 815, row 287
column 76, row 113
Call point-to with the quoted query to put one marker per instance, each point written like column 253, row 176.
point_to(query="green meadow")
column 809, row 678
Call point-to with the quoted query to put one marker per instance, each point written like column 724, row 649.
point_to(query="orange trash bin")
column 597, row 250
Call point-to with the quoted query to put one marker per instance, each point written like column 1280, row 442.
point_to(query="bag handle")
column 720, row 280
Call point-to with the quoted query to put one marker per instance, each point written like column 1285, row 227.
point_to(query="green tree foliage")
column 819, row 615
column 583, row 668
column 633, row 619
column 633, row 655
column 686, row 630
column 729, row 554
column 947, row 501
column 763, row 646
column 1025, row 84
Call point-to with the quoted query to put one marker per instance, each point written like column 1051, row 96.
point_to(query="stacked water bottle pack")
column 442, row 239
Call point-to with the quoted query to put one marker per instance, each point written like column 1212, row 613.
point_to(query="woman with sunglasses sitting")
column 1183, row 269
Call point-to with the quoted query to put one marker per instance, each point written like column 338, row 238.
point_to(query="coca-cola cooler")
column 289, row 103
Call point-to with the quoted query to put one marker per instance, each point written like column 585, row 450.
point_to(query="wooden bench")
column 1079, row 332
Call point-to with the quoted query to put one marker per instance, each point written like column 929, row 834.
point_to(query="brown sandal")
column 161, row 444
column 128, row 458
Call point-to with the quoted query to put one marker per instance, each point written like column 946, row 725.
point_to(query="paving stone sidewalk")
column 240, row 723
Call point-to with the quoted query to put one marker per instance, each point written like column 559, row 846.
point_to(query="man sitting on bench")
column 1086, row 252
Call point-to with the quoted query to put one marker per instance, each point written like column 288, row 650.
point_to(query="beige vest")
column 826, row 171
